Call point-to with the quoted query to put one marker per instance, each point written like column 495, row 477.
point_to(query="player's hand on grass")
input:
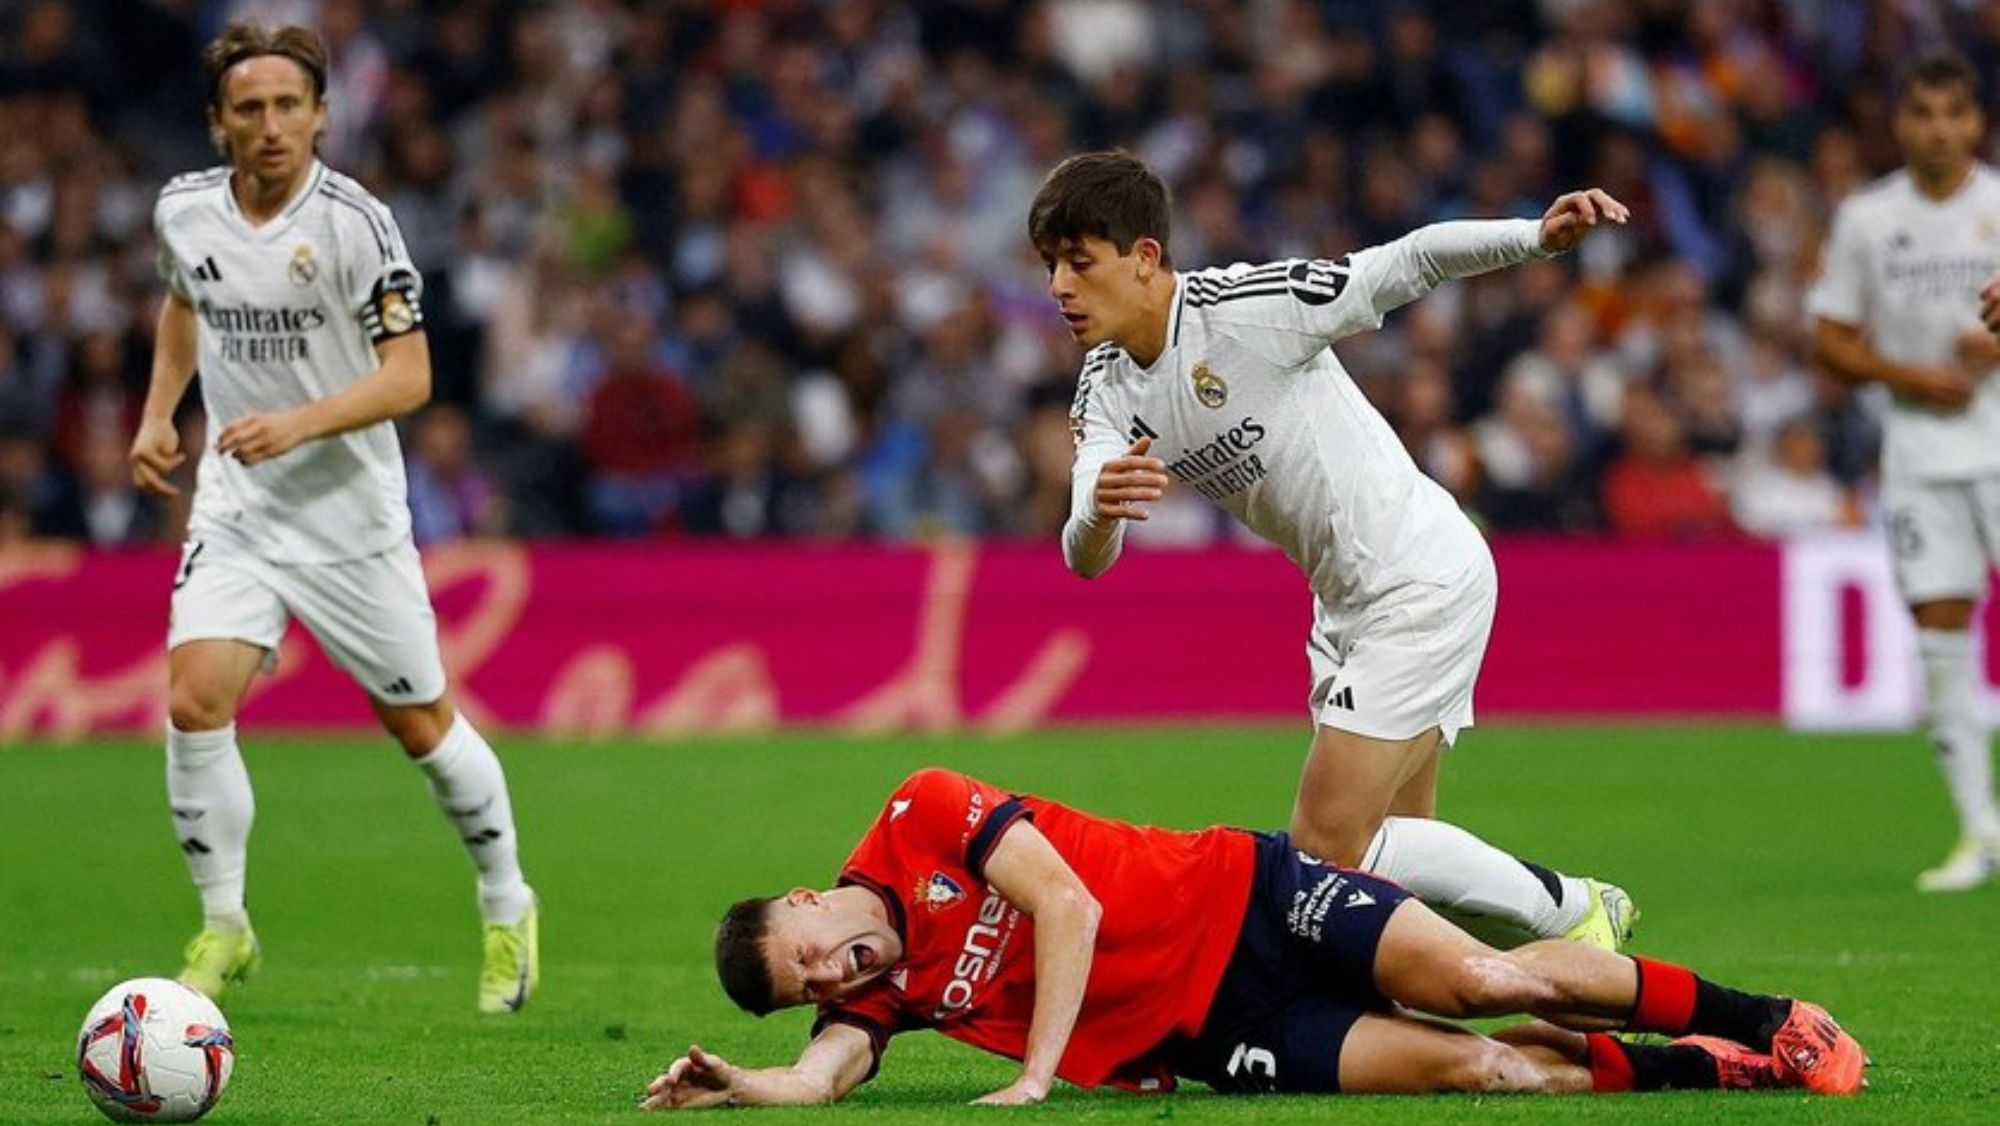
column 1946, row 388
column 156, row 452
column 1021, row 1092
column 1126, row 482
column 696, row 1080
column 1575, row 214
column 261, row 437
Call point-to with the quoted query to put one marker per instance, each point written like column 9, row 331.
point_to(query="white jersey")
column 1248, row 406
column 1906, row 270
column 287, row 313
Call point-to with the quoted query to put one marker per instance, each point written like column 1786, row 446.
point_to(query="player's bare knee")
column 420, row 729
column 1485, row 1066
column 1495, row 984
column 192, row 706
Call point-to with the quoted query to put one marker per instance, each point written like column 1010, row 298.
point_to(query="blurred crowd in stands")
column 758, row 269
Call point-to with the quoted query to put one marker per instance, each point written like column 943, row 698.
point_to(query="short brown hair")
column 246, row 40
column 1110, row 195
column 1941, row 70
column 739, row 954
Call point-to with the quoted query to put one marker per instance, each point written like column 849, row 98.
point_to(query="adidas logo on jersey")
column 208, row 271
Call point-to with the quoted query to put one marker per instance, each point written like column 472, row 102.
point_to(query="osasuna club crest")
column 939, row 892
column 1209, row 389
column 304, row 267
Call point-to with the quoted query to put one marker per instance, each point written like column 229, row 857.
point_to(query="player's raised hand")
column 1575, row 214
column 1989, row 304
column 1128, row 481
column 261, row 437
column 696, row 1080
column 156, row 452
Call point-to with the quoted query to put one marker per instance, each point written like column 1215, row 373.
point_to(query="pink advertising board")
column 672, row 638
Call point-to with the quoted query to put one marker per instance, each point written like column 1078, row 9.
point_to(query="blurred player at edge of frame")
column 1896, row 304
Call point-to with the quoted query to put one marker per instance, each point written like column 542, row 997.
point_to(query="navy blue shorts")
column 1302, row 973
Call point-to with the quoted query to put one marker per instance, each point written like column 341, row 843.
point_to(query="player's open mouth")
column 1076, row 320
column 863, row 957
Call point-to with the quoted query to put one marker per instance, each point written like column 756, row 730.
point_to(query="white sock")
column 209, row 792
column 1499, row 898
column 1957, row 729
column 467, row 782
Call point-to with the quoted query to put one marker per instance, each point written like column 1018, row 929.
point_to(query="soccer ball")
column 153, row 1050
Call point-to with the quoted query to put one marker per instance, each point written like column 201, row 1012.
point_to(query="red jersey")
column 1172, row 903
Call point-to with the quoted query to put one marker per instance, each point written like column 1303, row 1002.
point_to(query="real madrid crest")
column 1209, row 389
column 304, row 267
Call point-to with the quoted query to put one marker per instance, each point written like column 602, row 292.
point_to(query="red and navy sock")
column 1618, row 1066
column 1673, row 1000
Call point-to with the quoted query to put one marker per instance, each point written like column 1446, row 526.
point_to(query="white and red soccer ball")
column 154, row 1050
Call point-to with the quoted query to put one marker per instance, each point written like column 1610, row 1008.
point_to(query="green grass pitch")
column 1774, row 861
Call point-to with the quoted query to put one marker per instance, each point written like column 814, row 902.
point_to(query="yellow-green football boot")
column 217, row 958
column 1609, row 922
column 513, row 961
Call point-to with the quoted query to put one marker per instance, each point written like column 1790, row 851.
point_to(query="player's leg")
column 470, row 788
column 373, row 617
column 1388, row 696
column 1399, row 1054
column 1941, row 570
column 226, row 623
column 1346, row 788
column 1423, row 961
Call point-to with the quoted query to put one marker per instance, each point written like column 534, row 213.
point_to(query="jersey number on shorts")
column 1256, row 1063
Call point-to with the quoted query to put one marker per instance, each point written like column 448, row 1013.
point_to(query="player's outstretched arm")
column 1844, row 350
column 836, row 1062
column 1031, row 875
column 1330, row 301
column 400, row 385
column 156, row 448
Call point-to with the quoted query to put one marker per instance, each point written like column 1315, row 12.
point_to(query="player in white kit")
column 1223, row 379
column 1897, row 304
column 289, row 289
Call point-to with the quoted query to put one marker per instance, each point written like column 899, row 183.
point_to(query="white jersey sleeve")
column 1310, row 303
column 1091, row 546
column 178, row 194
column 1840, row 293
column 383, row 287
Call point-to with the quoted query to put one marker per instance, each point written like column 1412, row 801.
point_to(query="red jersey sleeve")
column 935, row 816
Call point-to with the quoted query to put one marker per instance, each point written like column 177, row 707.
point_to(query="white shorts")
column 1408, row 663
column 1943, row 535
column 372, row 616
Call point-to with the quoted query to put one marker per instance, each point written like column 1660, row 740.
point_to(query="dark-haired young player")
column 1101, row 953
column 289, row 289
column 1224, row 380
